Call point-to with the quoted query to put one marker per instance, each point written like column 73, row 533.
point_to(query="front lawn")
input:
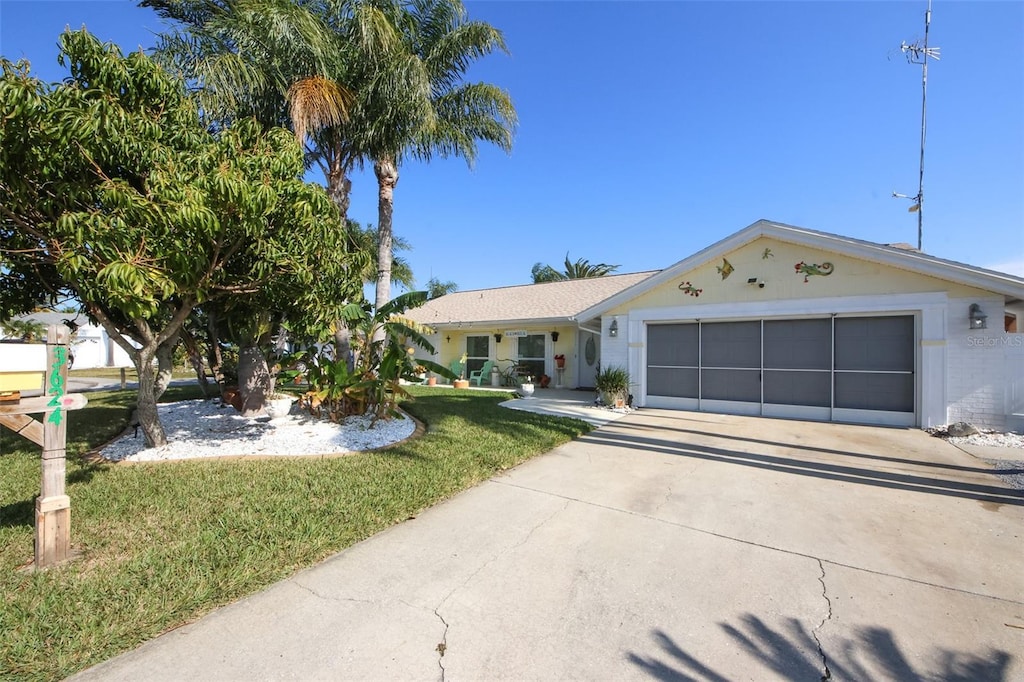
column 130, row 373
column 164, row 543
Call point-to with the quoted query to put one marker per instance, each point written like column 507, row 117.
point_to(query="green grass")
column 162, row 544
column 130, row 373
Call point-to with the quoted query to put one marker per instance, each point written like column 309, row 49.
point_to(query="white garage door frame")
column 929, row 311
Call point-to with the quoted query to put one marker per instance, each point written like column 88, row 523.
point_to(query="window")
column 531, row 353
column 477, row 352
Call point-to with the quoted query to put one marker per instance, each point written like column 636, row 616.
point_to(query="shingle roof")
column 524, row 303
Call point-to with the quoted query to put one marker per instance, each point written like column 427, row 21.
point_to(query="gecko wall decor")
column 690, row 290
column 807, row 270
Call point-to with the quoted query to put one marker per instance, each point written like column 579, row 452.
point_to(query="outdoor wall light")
column 976, row 317
column 613, row 328
column 554, row 336
column 497, row 338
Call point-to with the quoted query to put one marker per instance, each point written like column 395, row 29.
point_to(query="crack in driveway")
column 442, row 647
column 827, row 675
column 307, row 588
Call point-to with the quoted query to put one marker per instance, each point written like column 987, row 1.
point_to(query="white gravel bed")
column 202, row 428
column 1007, row 470
column 999, row 440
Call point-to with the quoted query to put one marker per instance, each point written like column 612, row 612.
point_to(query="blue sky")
column 649, row 130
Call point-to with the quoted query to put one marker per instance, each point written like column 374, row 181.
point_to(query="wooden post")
column 53, row 506
column 124, row 379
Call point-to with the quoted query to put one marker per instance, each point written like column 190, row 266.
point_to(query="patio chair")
column 456, row 367
column 482, row 374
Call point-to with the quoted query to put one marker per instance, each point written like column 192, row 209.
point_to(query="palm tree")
column 581, row 269
column 436, row 288
column 420, row 106
column 365, row 239
column 272, row 59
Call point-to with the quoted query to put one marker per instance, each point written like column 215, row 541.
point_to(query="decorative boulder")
column 961, row 429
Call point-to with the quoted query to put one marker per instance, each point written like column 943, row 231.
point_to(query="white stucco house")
column 773, row 320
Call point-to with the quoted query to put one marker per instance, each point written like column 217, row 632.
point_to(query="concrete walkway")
column 566, row 403
column 665, row 545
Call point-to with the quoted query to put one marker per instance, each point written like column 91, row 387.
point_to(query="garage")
column 835, row 368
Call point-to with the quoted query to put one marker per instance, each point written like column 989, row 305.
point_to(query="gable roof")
column 894, row 255
column 550, row 302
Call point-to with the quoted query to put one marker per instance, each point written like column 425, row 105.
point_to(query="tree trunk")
column 386, row 171
column 213, row 355
column 339, row 187
column 164, row 366
column 343, row 342
column 143, row 356
column 253, row 380
column 195, row 358
column 149, row 419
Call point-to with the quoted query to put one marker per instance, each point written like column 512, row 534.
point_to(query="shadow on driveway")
column 794, row 654
column 864, row 475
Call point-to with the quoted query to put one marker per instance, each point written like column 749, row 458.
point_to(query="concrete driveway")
column 666, row 545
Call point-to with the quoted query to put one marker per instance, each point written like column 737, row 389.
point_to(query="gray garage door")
column 857, row 369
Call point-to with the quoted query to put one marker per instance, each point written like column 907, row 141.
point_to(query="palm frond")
column 317, row 102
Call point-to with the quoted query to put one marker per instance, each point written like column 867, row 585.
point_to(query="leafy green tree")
column 114, row 192
column 436, row 288
column 581, row 269
column 418, row 104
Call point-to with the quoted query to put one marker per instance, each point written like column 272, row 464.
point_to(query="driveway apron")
column 666, row 545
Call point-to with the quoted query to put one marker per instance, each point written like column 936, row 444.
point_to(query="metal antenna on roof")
column 918, row 53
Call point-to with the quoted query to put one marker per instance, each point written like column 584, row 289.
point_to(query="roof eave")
column 481, row 324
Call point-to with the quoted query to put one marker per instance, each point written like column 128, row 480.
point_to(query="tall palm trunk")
column 386, row 171
column 339, row 188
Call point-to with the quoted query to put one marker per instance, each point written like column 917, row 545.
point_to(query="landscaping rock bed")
column 204, row 428
column 1010, row 471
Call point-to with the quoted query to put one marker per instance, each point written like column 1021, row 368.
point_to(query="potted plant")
column 613, row 386
column 526, row 386
column 278, row 405
column 560, row 361
column 462, row 381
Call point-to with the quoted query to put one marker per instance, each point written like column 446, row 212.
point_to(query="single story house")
column 773, row 320
column 91, row 346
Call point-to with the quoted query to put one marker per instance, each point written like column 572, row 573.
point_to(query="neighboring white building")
column 91, row 345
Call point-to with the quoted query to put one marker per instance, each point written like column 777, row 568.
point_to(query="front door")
column 588, row 358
